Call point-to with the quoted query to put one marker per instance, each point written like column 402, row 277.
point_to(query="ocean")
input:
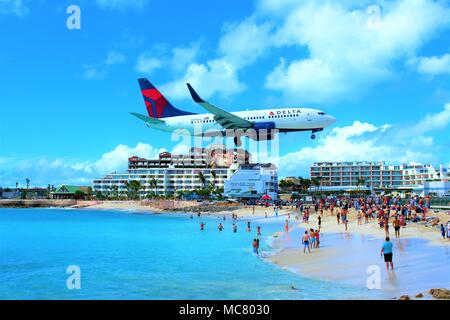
column 130, row 255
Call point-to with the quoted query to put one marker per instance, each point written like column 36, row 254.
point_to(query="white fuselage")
column 285, row 119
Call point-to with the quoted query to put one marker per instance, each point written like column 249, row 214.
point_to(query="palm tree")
column 28, row 186
column 316, row 182
column 115, row 193
column 153, row 184
column 133, row 188
column 214, row 176
column 360, row 182
column 306, row 184
column 202, row 179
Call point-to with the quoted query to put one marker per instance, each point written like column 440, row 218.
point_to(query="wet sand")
column 344, row 257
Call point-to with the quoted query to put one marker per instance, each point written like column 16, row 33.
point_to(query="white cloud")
column 146, row 63
column 368, row 142
column 216, row 76
column 115, row 57
column 101, row 69
column 122, row 4
column 346, row 57
column 43, row 171
column 117, row 159
column 432, row 65
column 13, row 7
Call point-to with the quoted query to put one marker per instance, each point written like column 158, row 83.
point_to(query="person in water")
column 305, row 241
column 248, row 226
column 255, row 246
column 234, row 227
column 202, row 226
column 259, row 230
column 220, row 227
column 286, row 226
column 386, row 250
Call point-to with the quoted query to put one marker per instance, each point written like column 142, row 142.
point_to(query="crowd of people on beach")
column 382, row 210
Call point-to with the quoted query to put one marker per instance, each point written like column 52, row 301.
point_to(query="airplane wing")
column 226, row 119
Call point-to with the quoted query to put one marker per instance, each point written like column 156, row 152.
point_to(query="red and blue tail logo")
column 158, row 106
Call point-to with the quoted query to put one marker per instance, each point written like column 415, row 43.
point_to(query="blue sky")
column 65, row 94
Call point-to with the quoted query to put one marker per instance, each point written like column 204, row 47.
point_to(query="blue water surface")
column 126, row 255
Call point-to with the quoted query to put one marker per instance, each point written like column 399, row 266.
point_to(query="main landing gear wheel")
column 237, row 141
column 313, row 136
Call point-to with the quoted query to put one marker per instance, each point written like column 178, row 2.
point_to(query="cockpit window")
column 321, row 113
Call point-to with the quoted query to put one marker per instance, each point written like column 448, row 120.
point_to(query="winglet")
column 194, row 94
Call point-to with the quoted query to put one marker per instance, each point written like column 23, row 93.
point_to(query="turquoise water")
column 142, row 256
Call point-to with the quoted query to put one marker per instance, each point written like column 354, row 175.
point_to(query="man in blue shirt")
column 386, row 249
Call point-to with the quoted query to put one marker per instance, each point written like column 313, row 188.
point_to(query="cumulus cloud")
column 43, row 171
column 13, row 7
column 215, row 76
column 100, row 70
column 344, row 48
column 117, row 159
column 122, row 4
column 362, row 141
column 434, row 65
column 146, row 63
column 344, row 55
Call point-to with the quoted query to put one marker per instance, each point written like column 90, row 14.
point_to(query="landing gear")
column 237, row 141
column 313, row 136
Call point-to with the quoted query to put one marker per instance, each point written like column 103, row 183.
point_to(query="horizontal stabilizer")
column 147, row 119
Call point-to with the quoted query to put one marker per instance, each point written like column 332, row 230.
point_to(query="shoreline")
column 345, row 255
column 288, row 255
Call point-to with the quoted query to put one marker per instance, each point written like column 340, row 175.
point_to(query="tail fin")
column 158, row 106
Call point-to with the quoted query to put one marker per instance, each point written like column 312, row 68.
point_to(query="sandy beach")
column 422, row 256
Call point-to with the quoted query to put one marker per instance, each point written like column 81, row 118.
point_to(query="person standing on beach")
column 312, row 238
column 396, row 225
column 319, row 218
column 359, row 216
column 305, row 241
column 448, row 229
column 386, row 227
column 442, row 231
column 386, row 250
column 317, row 238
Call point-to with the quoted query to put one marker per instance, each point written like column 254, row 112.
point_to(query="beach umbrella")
column 266, row 197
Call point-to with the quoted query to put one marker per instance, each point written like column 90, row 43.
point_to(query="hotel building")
column 174, row 172
column 345, row 175
column 253, row 181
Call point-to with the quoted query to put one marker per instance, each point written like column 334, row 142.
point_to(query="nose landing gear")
column 313, row 136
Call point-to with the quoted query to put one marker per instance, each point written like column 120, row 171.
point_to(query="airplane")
column 162, row 115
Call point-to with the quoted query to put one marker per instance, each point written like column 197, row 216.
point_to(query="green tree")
column 202, row 179
column 360, row 182
column 79, row 195
column 133, row 188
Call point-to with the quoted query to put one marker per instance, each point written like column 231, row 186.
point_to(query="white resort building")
column 174, row 172
column 369, row 175
column 253, row 181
